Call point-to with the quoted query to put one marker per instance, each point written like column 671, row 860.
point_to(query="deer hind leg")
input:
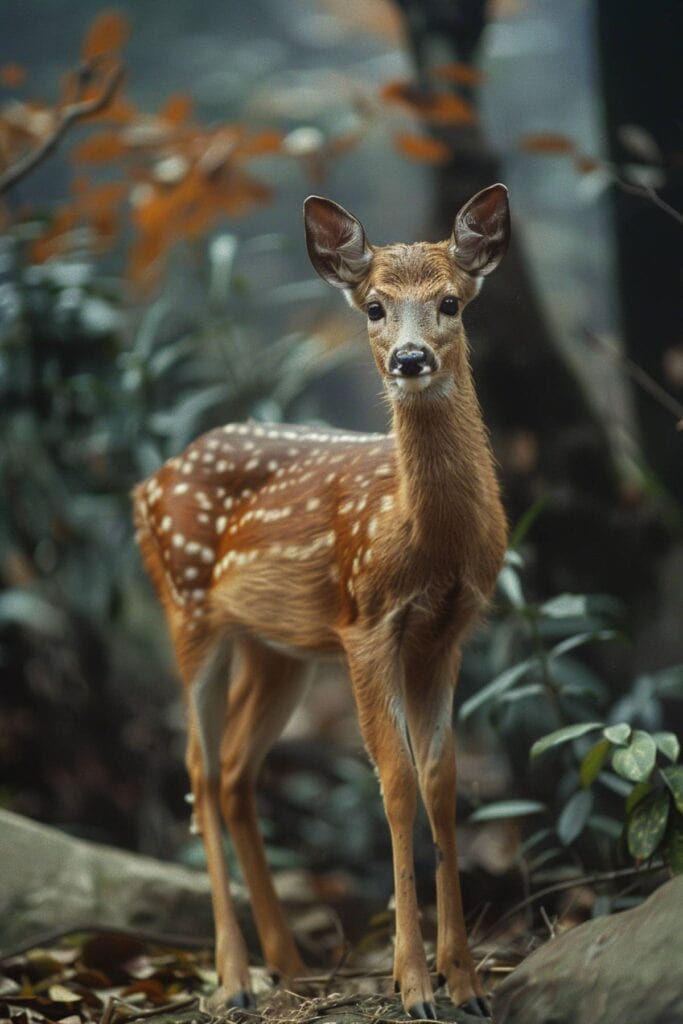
column 430, row 708
column 208, row 679
column 263, row 695
column 377, row 686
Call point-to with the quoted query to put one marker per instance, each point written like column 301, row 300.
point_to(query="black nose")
column 409, row 362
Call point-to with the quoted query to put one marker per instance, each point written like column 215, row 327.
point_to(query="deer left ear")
column 337, row 246
column 481, row 232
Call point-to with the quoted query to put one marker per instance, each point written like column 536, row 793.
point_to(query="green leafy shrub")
column 620, row 793
column 653, row 809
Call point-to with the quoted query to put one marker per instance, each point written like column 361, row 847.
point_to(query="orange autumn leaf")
column 108, row 32
column 99, row 149
column 145, row 261
column 461, row 74
column 54, row 242
column 120, row 111
column 237, row 195
column 261, row 144
column 102, row 197
column 177, row 108
column 586, row 164
column 105, row 225
column 440, row 107
column 547, row 143
column 13, row 75
column 418, row 147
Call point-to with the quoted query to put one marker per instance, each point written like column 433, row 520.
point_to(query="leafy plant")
column 545, row 697
column 653, row 810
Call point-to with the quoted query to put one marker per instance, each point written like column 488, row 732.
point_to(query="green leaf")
column 636, row 761
column 574, row 816
column 617, row 734
column 507, row 809
column 511, row 587
column 673, row 777
column 673, row 847
column 593, row 762
column 27, row 609
column 527, row 519
column 513, row 558
column 639, row 791
column 499, row 685
column 647, row 824
column 569, row 732
column 668, row 682
column 580, row 639
column 521, row 693
column 668, row 744
column 566, row 606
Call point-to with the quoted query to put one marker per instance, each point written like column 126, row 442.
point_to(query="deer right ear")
column 336, row 242
column 481, row 232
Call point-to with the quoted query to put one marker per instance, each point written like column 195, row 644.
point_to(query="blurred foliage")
column 601, row 801
column 157, row 178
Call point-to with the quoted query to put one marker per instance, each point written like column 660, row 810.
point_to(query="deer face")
column 412, row 295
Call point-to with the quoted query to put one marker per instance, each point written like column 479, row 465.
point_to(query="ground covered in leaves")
column 119, row 977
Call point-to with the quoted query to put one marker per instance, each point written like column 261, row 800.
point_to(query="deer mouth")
column 398, row 384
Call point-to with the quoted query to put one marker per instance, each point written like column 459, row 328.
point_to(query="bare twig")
column 569, row 883
column 157, row 1011
column 67, row 116
column 166, row 940
column 641, row 377
column 646, row 192
column 550, row 925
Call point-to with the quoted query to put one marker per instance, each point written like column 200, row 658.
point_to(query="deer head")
column 413, row 295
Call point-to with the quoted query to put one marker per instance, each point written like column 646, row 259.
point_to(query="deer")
column 273, row 546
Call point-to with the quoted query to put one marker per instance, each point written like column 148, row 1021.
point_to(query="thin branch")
column 640, row 376
column 49, row 938
column 570, row 883
column 68, row 116
column 647, row 192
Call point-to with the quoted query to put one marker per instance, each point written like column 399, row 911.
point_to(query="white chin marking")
column 408, row 385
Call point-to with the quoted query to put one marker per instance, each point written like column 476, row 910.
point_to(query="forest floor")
column 120, row 977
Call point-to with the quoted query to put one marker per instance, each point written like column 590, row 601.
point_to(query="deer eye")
column 449, row 305
column 375, row 311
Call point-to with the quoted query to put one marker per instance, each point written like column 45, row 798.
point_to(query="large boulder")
column 621, row 969
column 49, row 881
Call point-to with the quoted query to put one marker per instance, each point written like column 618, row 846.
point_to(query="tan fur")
column 285, row 543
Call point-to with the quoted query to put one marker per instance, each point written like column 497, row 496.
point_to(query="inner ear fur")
column 481, row 232
column 336, row 243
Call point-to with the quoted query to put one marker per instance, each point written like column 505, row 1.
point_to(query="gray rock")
column 625, row 968
column 49, row 881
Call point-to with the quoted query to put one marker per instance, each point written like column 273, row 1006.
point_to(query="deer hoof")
column 477, row 1007
column 243, row 999
column 422, row 1011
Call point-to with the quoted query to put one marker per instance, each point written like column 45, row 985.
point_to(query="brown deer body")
column 270, row 546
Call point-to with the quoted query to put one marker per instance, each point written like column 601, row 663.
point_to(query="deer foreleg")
column 382, row 721
column 431, row 733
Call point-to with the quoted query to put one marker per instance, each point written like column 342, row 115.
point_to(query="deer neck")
column 446, row 478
